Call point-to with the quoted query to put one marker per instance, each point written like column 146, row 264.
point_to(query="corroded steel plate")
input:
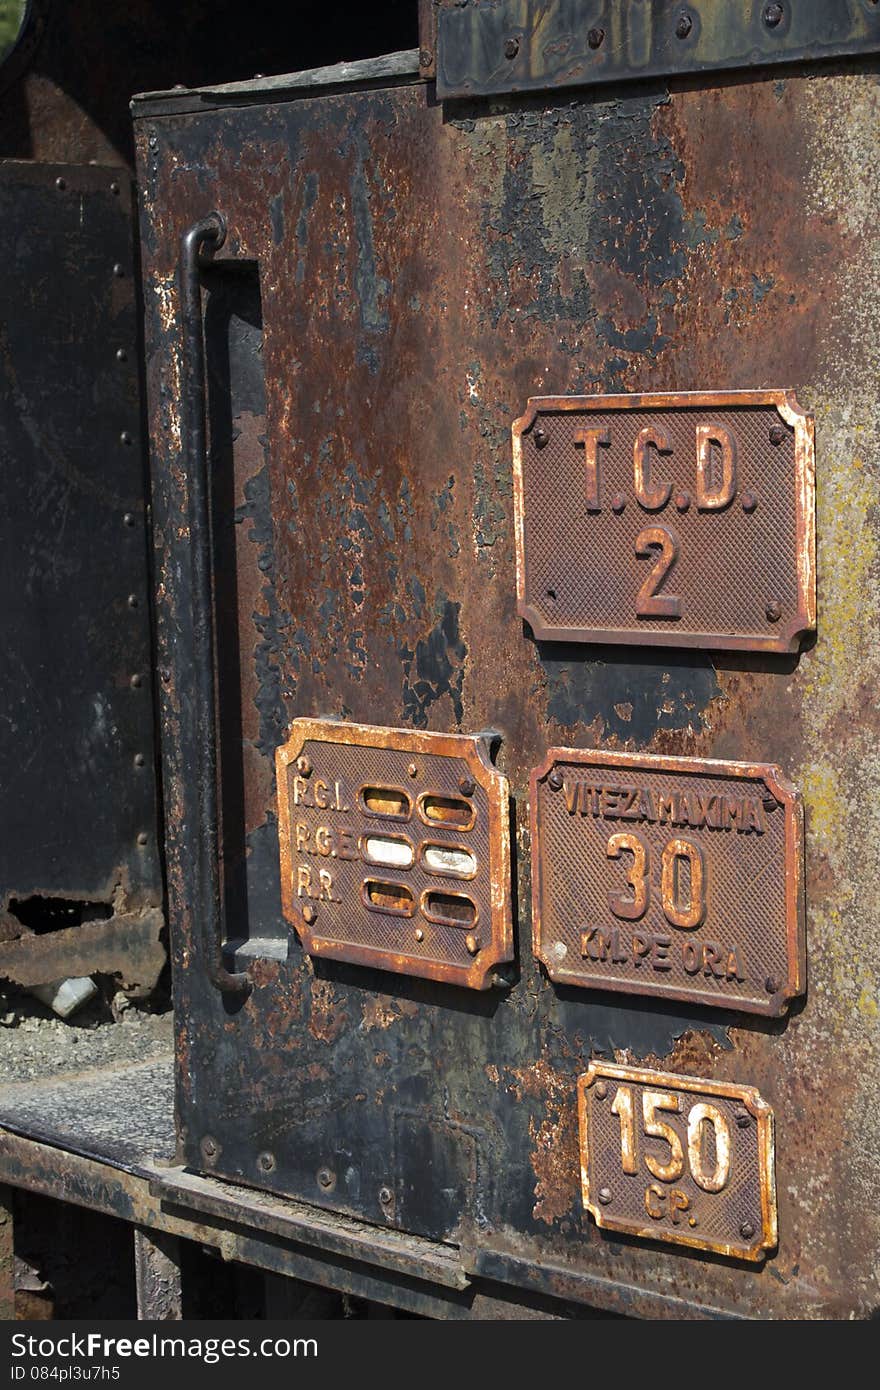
column 678, row 1159
column 680, row 877
column 681, row 520
column 395, row 849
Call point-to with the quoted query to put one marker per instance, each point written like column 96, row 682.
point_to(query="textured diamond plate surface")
column 324, row 866
column 738, row 1220
column 743, row 573
column 747, row 952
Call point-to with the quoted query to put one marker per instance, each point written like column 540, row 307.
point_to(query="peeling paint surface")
column 421, row 274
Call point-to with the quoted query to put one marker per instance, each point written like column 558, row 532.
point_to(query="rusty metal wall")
column 398, row 279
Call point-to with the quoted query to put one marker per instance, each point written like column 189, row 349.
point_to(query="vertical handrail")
column 208, row 234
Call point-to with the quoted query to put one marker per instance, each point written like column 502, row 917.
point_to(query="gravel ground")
column 35, row 1043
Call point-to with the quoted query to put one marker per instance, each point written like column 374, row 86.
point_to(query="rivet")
column 385, row 1196
column 604, row 1195
column 143, row 837
column 325, row 1177
column 419, row 934
column 165, row 675
column 61, row 183
column 136, row 681
column 125, row 437
column 266, row 1162
column 770, row 804
column 600, row 1090
column 303, row 766
column 747, row 1230
column 743, row 1119
column 466, row 786
column 771, row 984
column 618, row 502
column 542, row 438
column 554, row 781
column 121, row 355
column 684, row 25
column 426, row 57
column 209, row 1147
column 309, row 914
column 596, row 37
column 777, row 434
column 128, row 519
column 773, row 611
column 114, row 187
column 411, row 769
column 773, row 15
column 133, row 600
column 511, row 48
column 683, row 501
column 119, row 270
column 749, row 501
column 472, row 945
column 139, row 760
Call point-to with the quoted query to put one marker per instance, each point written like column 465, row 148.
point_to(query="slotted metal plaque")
column 395, row 849
column 677, row 1159
column 679, row 877
column 673, row 520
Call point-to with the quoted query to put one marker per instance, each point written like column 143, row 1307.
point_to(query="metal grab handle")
column 207, row 234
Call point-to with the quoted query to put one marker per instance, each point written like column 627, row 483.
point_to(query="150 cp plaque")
column 677, row 520
column 677, row 1159
column 680, row 877
column 395, row 849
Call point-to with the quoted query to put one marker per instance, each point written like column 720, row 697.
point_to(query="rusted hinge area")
column 489, row 47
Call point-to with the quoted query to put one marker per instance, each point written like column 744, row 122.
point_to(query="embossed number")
column 650, row 604
column 686, row 913
column 699, row 1115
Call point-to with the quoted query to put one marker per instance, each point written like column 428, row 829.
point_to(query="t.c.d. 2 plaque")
column 683, row 519
column 679, row 877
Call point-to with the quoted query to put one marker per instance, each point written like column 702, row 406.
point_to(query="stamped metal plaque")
column 395, row 849
column 680, row 520
column 680, row 877
column 677, row 1159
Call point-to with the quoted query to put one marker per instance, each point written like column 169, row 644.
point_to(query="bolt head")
column 467, row 786
column 511, row 48
column 309, row 915
column 542, row 438
column 209, row 1147
column 61, row 183
column 472, row 944
column 554, row 781
column 771, row 984
column 683, row 25
column 618, row 502
column 411, row 770
column 119, row 270
column 128, row 519
column 773, row 611
column 325, row 1177
column 121, row 355
column 604, row 1195
column 419, row 934
column 777, row 434
column 600, row 1090
column 773, row 15
column 596, row 38
column 743, row 1119
column 749, row 501
column 303, row 766
column 125, row 437
column 426, row 57
column 747, row 1230
column 683, row 501
column 266, row 1162
column 385, row 1196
